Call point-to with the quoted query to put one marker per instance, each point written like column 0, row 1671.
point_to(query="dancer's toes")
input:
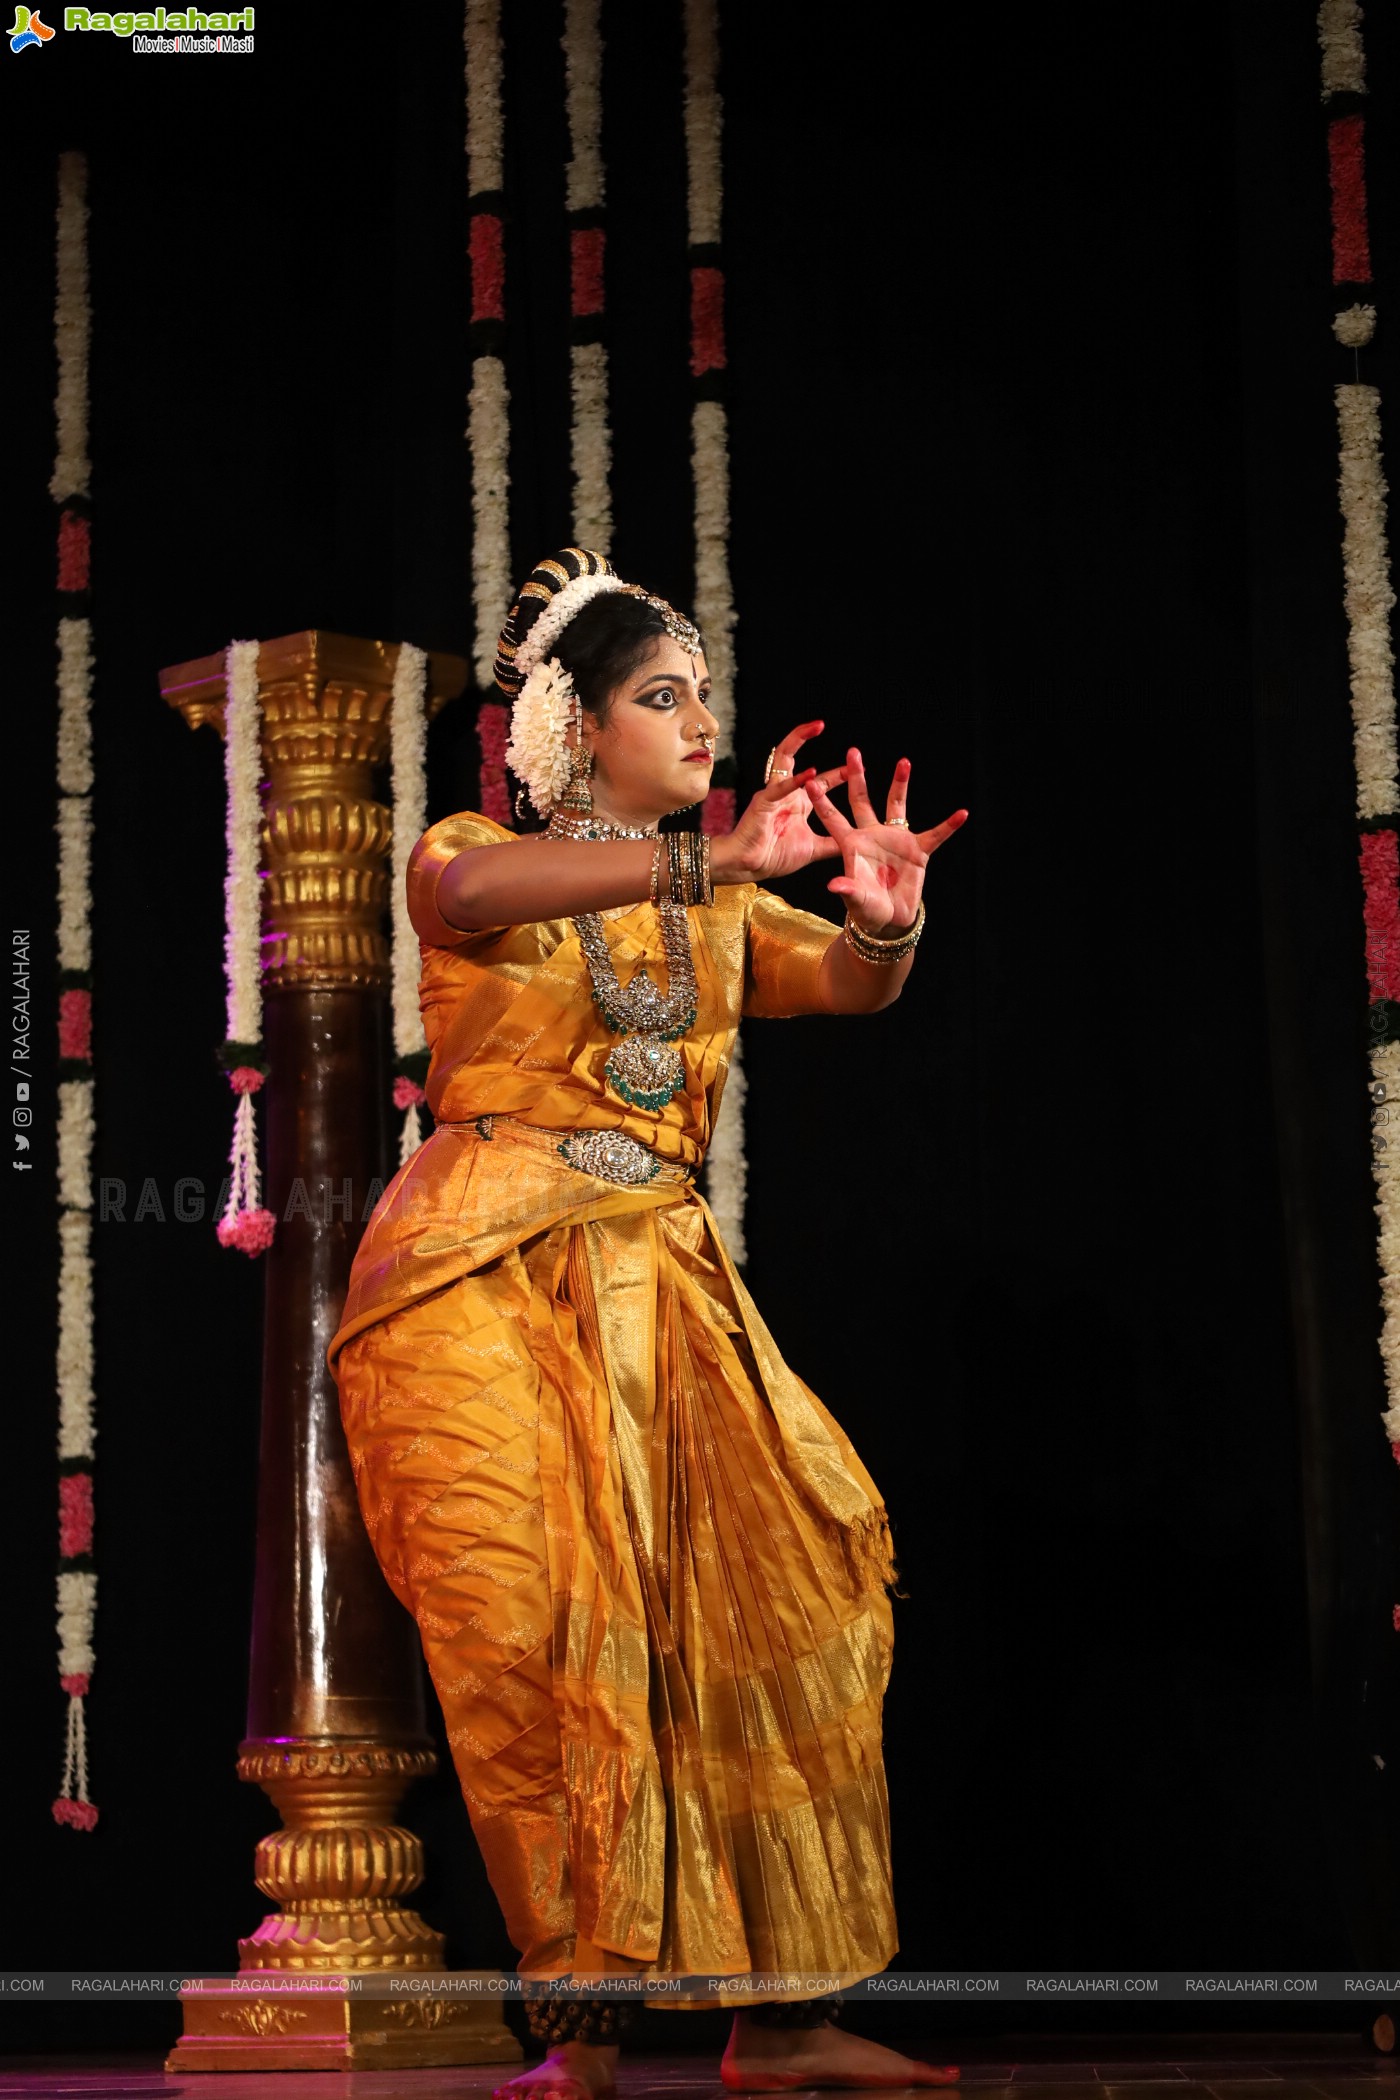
column 791, row 2059
column 528, row 2084
column 573, row 2071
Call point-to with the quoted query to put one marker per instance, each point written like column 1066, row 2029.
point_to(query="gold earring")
column 577, row 799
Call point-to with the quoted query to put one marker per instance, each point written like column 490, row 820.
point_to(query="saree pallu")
column 648, row 1568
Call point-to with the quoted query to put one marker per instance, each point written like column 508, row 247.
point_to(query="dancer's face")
column 648, row 758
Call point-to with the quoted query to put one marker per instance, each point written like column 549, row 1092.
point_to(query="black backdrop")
column 1034, row 480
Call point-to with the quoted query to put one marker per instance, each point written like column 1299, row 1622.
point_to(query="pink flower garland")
column 75, row 1025
column 75, row 1515
column 74, row 552
column 493, row 735
column 77, row 1580
column 486, row 248
column 586, row 245
column 1380, row 875
column 707, row 351
column 1351, row 241
column 717, row 813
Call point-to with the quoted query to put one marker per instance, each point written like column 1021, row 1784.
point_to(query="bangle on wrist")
column 688, row 863
column 871, row 949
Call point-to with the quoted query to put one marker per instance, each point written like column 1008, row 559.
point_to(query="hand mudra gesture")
column 776, row 835
column 882, row 875
column 883, row 860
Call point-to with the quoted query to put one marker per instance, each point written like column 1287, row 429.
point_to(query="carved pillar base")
column 343, row 1976
column 256, row 2023
column 340, row 1865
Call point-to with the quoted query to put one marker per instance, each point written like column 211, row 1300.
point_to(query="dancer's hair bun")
column 556, row 589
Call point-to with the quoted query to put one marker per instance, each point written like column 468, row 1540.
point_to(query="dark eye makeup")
column 652, row 696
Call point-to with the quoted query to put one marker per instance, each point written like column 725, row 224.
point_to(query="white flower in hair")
column 539, row 722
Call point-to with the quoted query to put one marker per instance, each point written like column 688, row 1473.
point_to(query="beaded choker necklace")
column 562, row 826
column 644, row 1068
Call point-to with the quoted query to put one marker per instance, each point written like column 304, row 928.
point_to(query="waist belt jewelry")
column 610, row 1154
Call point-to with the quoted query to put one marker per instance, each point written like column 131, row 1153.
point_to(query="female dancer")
column 648, row 1567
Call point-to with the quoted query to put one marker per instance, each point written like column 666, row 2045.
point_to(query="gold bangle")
column 700, row 889
column 870, row 948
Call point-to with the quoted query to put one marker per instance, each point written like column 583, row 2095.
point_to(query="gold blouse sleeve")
column 785, row 950
column 440, row 844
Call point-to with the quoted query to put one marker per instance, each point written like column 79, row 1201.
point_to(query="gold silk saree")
column 648, row 1567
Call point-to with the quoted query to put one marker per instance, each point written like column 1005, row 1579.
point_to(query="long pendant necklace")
column 644, row 1068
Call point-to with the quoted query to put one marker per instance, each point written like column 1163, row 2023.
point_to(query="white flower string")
column 488, row 405
column 714, row 598
column 1343, row 54
column 408, row 733
column 562, row 607
column 76, row 1583
column 488, row 437
column 726, row 1169
column 1354, row 326
column 485, row 115
column 1370, row 599
column 726, row 1165
column 245, row 1224
column 72, row 470
column 590, row 435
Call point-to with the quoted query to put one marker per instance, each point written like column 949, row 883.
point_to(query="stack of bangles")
column 687, row 858
column 872, row 950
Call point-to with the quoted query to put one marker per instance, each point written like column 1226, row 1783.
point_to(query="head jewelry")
column 556, row 591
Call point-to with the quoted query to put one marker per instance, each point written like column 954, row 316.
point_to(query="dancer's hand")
column 775, row 835
column 882, row 877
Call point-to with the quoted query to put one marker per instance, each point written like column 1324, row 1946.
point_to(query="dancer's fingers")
column 780, row 784
column 783, row 757
column 862, row 808
column 826, row 809
column 931, row 840
column 895, row 801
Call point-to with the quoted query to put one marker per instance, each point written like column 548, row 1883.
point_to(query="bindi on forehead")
column 685, row 673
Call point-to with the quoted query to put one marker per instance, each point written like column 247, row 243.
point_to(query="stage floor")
column 1074, row 2067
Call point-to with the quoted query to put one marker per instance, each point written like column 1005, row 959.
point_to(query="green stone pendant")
column 645, row 1070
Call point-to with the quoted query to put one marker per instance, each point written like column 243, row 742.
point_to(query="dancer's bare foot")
column 571, row 2071
column 760, row 2058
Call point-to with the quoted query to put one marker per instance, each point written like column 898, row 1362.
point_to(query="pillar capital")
column 326, row 701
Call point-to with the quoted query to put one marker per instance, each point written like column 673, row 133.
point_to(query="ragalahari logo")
column 28, row 30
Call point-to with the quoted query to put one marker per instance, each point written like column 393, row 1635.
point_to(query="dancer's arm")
column 556, row 878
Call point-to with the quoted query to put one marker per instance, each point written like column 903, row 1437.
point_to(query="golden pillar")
column 341, row 1974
